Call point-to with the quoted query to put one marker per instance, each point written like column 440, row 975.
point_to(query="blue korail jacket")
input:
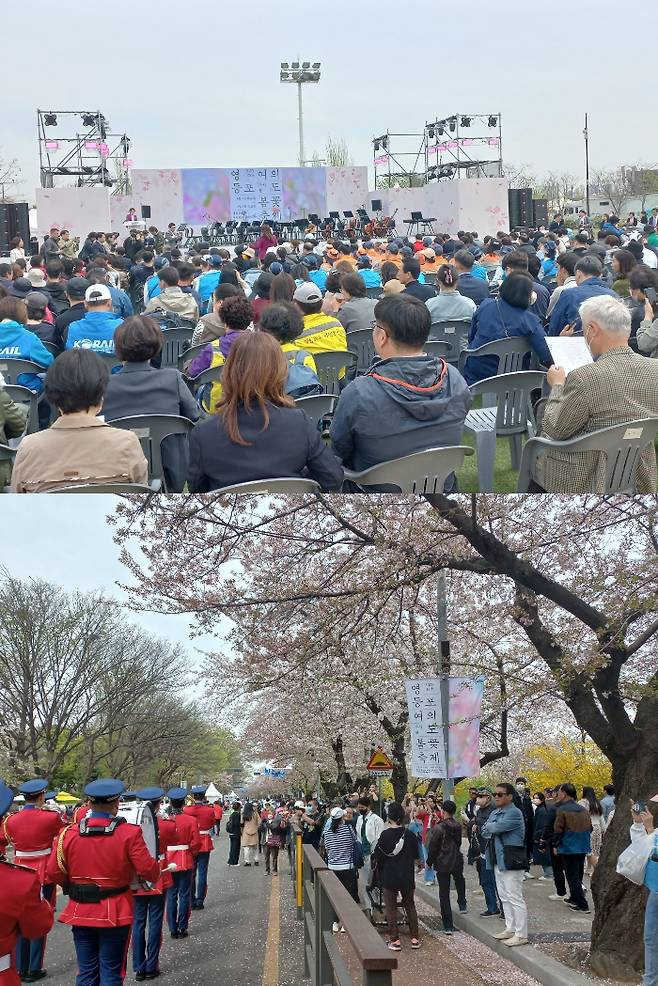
column 17, row 342
column 95, row 331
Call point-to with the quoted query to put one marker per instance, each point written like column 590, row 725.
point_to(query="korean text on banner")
column 427, row 746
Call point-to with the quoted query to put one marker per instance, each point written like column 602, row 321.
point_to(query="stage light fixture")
column 376, row 145
column 452, row 124
column 385, row 143
column 316, row 66
column 466, row 121
column 441, row 131
column 306, row 65
column 284, row 66
column 493, row 121
column 89, row 119
column 125, row 143
column 50, row 120
column 430, row 133
column 295, row 64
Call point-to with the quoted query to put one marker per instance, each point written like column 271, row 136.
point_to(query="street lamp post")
column 586, row 136
column 299, row 74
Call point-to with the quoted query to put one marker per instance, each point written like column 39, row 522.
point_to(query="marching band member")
column 183, row 853
column 95, row 861
column 149, row 902
column 31, row 832
column 23, row 912
column 81, row 812
column 205, row 818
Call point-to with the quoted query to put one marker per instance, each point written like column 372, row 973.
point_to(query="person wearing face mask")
column 540, row 854
column 369, row 827
column 619, row 386
column 523, row 801
column 485, row 806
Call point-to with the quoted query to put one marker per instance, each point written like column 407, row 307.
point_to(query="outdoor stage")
column 199, row 197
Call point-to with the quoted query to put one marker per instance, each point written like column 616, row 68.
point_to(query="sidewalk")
column 549, row 922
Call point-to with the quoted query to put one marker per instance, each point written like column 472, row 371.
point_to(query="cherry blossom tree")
column 563, row 589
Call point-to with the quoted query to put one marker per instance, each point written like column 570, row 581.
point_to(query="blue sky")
column 197, row 85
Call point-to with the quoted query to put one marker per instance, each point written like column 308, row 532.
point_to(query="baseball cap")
column 307, row 293
column 299, row 804
column 276, row 268
column 215, row 260
column 429, row 253
column 36, row 299
column 98, row 293
column 249, row 253
column 160, row 262
column 76, row 287
column 337, row 813
column 21, row 288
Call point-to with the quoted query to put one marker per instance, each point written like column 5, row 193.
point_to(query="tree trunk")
column 400, row 777
column 617, row 937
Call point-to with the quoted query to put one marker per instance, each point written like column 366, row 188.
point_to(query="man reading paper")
column 618, row 386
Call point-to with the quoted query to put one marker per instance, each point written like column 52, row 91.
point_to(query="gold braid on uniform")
column 61, row 860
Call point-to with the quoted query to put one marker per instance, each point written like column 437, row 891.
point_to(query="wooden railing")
column 321, row 900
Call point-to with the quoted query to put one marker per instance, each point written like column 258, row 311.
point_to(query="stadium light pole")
column 300, row 73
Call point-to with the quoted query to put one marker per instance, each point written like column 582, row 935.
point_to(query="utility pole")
column 444, row 671
column 586, row 136
column 301, row 125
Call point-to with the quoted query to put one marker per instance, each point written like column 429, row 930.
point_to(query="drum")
column 141, row 815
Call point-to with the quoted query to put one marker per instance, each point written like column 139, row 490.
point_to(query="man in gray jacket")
column 408, row 401
column 505, row 826
column 172, row 298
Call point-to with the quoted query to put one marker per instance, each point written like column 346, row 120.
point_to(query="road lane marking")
column 271, row 962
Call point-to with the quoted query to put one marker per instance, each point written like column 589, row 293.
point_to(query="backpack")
column 302, row 381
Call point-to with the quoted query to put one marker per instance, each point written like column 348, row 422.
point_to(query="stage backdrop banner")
column 427, row 744
column 202, row 196
column 79, row 210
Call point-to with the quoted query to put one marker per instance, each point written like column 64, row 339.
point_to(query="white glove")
column 171, row 867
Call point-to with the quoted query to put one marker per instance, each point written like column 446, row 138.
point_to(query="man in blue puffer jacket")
column 96, row 330
column 572, row 841
column 17, row 342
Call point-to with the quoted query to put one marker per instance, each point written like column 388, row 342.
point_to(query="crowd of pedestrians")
column 267, row 314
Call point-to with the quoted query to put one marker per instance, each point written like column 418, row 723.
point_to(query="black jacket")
column 58, row 303
column 421, row 291
column 141, row 389
column 444, row 853
column 290, row 446
column 473, row 287
column 62, row 322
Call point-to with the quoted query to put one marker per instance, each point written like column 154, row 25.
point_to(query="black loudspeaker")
column 14, row 221
column 520, row 207
column 376, row 205
column 146, row 212
column 539, row 212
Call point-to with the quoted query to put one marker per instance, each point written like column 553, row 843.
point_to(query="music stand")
column 348, row 215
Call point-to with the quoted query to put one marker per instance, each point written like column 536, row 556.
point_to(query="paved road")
column 246, row 936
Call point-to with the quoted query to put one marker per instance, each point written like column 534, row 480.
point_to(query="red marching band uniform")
column 31, row 832
column 23, row 912
column 205, row 819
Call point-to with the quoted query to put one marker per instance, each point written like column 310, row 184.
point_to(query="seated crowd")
column 260, row 320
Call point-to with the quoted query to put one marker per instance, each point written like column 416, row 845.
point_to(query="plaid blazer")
column 619, row 386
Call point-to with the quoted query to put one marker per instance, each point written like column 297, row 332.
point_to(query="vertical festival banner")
column 427, row 736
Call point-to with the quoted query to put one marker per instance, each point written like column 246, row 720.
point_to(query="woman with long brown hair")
column 257, row 432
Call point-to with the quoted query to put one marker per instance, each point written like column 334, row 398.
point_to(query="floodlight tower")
column 299, row 74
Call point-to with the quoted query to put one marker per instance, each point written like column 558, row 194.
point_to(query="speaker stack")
column 520, row 207
column 539, row 212
column 14, row 221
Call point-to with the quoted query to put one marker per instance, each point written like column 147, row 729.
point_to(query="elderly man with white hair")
column 618, row 386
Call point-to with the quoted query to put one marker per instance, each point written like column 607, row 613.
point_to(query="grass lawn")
column 505, row 478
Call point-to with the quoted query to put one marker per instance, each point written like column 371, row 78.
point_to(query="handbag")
column 514, row 857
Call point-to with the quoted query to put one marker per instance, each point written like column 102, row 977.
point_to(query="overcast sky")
column 197, row 84
column 66, row 540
